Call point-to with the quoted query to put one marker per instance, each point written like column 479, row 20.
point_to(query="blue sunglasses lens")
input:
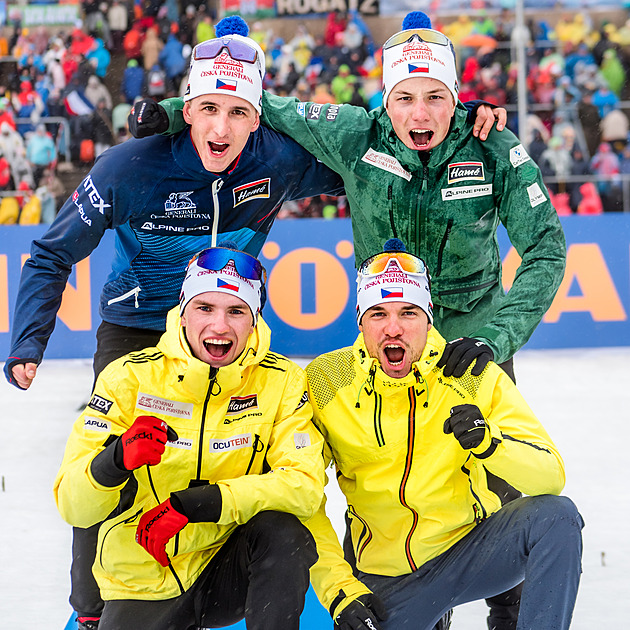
column 217, row 258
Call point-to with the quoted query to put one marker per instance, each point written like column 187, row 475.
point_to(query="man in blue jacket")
column 223, row 177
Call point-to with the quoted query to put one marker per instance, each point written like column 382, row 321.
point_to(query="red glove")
column 157, row 527
column 144, row 442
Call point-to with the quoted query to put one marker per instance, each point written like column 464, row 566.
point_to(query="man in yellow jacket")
column 201, row 458
column 412, row 449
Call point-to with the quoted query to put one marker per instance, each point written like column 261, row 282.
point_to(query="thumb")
column 30, row 370
column 447, row 426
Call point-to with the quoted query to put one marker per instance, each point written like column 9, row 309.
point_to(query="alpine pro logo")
column 466, row 192
column 238, row 404
column 462, row 171
column 100, row 404
column 254, row 190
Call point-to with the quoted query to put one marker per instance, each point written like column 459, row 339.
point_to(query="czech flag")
column 77, row 104
column 227, row 284
column 418, row 67
column 394, row 292
column 226, row 84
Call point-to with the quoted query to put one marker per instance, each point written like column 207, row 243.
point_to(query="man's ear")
column 186, row 112
column 256, row 123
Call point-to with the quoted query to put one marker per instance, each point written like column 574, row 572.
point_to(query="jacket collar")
column 194, row 374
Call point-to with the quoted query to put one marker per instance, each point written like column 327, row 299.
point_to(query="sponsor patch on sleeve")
column 172, row 408
column 301, row 109
column 301, row 440
column 96, row 424
column 303, row 401
column 536, row 195
column 98, row 403
column 518, row 155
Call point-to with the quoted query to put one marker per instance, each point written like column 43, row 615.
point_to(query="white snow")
column 581, row 396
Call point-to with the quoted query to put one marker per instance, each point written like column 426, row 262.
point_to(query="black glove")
column 467, row 425
column 147, row 118
column 363, row 613
column 460, row 353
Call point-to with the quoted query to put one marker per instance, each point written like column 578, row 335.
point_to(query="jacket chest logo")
column 385, row 162
column 220, row 445
column 238, row 404
column 260, row 189
column 466, row 192
column 464, row 171
column 172, row 408
column 180, row 203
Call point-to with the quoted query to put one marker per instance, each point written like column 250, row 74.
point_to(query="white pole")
column 520, row 37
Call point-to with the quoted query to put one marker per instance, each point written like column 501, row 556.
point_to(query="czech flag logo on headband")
column 227, row 284
column 393, row 293
column 226, row 84
column 418, row 67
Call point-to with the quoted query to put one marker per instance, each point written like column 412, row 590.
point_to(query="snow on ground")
column 581, row 396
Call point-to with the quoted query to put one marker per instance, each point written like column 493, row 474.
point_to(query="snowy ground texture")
column 581, row 396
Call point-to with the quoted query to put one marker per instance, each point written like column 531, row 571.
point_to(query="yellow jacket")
column 412, row 490
column 249, row 431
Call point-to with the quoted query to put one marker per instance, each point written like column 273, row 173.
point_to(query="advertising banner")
column 311, row 287
column 44, row 14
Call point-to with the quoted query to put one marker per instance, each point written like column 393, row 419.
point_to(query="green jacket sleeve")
column 174, row 108
column 535, row 232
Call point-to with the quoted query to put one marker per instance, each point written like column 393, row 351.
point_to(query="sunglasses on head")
column 426, row 35
column 238, row 50
column 216, row 258
column 378, row 263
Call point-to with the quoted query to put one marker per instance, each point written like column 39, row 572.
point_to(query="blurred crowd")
column 577, row 91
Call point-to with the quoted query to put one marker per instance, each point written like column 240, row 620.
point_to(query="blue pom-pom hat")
column 225, row 75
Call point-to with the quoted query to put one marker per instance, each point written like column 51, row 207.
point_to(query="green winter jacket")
column 446, row 211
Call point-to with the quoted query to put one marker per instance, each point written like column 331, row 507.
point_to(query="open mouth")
column 218, row 148
column 421, row 137
column 217, row 348
column 394, row 354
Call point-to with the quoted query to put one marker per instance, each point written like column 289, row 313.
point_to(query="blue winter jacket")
column 165, row 207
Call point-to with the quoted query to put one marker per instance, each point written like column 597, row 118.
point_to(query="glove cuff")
column 107, row 468
column 202, row 504
column 344, row 599
column 487, row 447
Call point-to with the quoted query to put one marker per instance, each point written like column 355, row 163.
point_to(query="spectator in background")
column 13, row 149
column 174, row 62
column 605, row 100
column 614, row 129
column 102, row 130
column 579, row 167
column 99, row 57
column 205, row 28
column 151, row 48
column 40, row 152
column 96, row 92
column 132, row 81
column 537, row 146
column 6, row 112
column 132, row 41
column 117, row 17
column 155, row 82
column 605, row 163
column 119, row 121
column 588, row 115
column 555, row 161
column 613, row 71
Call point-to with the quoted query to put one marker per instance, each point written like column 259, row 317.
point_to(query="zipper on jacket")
column 364, row 538
column 390, row 199
column 425, row 177
column 255, row 449
column 127, row 520
column 478, row 506
column 449, row 227
column 212, row 378
column 468, row 289
column 216, row 187
column 408, row 461
column 378, row 428
column 120, row 298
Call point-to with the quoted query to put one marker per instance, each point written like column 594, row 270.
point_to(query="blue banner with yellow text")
column 311, row 287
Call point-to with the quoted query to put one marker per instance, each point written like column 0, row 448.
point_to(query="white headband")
column 416, row 58
column 224, row 75
column 393, row 285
